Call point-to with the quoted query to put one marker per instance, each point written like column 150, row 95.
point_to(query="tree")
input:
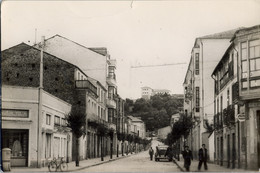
column 102, row 132
column 76, row 120
column 111, row 135
column 181, row 128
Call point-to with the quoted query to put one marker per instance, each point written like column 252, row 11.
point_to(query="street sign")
column 241, row 117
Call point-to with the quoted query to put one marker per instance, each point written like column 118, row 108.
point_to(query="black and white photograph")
column 130, row 86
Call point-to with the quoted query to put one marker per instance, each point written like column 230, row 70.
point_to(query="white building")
column 20, row 124
column 198, row 84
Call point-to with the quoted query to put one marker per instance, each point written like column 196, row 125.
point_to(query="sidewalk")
column 211, row 167
column 71, row 166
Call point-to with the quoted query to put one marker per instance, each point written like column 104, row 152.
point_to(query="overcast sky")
column 135, row 33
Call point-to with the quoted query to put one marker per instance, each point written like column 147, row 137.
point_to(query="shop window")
column 17, row 141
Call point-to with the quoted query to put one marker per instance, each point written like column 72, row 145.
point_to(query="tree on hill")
column 157, row 111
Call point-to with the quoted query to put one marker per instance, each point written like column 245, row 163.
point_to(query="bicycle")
column 56, row 164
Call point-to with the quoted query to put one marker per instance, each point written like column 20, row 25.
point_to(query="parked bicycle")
column 57, row 164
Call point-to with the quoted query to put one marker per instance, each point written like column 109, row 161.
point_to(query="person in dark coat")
column 187, row 156
column 169, row 153
column 151, row 152
column 203, row 155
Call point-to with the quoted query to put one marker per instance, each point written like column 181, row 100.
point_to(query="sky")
column 136, row 33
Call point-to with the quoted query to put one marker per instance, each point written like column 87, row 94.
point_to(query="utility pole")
column 39, row 140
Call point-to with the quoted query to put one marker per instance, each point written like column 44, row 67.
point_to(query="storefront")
column 17, row 141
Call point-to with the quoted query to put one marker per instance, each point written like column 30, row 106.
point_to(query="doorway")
column 258, row 136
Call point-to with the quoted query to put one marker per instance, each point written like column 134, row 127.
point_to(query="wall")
column 92, row 63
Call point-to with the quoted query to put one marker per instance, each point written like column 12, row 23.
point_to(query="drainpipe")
column 39, row 130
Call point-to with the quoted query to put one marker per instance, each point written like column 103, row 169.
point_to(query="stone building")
column 21, row 68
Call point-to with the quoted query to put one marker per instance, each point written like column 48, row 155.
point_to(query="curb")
column 107, row 161
column 182, row 170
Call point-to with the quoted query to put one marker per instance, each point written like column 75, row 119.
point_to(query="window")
column 78, row 76
column 111, row 72
column 228, row 93
column 63, row 122
column 244, row 59
column 48, row 146
column 57, row 120
column 197, row 66
column 255, row 83
column 254, row 55
column 197, row 99
column 48, row 119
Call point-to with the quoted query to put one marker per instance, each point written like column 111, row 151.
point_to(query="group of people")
column 203, row 155
column 187, row 156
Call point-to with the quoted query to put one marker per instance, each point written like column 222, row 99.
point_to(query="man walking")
column 203, row 155
column 151, row 152
column 187, row 156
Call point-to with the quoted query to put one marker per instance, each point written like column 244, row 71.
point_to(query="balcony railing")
column 229, row 115
column 85, row 84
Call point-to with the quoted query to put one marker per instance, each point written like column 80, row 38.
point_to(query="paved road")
column 135, row 163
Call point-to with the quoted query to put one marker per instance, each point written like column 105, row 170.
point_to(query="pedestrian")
column 187, row 156
column 169, row 153
column 203, row 155
column 151, row 152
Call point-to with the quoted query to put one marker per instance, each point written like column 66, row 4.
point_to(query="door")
column 221, row 151
column 233, row 150
column 258, row 136
column 228, row 150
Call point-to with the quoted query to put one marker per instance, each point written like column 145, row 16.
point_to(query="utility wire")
column 140, row 66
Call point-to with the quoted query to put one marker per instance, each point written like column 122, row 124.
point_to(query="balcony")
column 111, row 79
column 85, row 84
column 111, row 103
column 112, row 126
column 112, row 62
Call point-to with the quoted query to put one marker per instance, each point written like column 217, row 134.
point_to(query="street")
column 135, row 163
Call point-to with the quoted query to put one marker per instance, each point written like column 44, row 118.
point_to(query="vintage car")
column 161, row 153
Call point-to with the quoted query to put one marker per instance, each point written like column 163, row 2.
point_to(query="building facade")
column 20, row 121
column 21, row 68
column 198, row 84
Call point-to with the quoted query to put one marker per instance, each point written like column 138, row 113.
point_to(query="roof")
column 222, row 35
column 96, row 50
column 221, row 60
column 176, row 115
column 22, row 47
column 243, row 29
column 96, row 81
column 134, row 119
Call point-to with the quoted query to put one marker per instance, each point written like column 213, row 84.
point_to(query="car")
column 160, row 153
